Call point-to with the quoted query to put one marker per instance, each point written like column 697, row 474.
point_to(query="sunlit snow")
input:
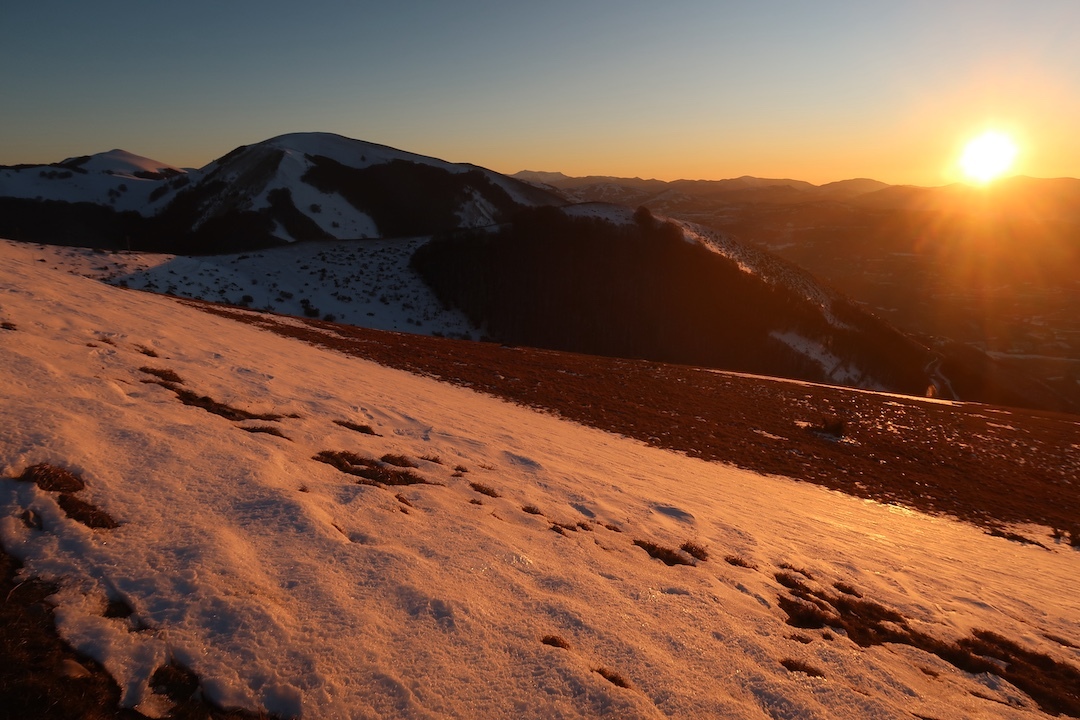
column 287, row 586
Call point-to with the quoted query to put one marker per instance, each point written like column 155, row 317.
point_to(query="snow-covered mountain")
column 238, row 507
column 303, row 186
column 115, row 179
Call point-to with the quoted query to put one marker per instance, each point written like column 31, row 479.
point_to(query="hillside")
column 644, row 288
column 986, row 275
column 256, row 523
column 301, row 186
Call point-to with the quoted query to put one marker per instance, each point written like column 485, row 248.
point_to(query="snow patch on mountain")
column 834, row 367
column 118, row 179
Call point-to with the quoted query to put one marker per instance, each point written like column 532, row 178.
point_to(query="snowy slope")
column 117, row 179
column 368, row 283
column 251, row 175
column 286, row 585
column 299, row 186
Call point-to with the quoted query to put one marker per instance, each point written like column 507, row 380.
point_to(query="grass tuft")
column 800, row 666
column 461, row 469
column 52, row 478
column 805, row 573
column 612, row 677
column 1053, row 685
column 163, row 373
column 484, row 489
column 532, row 510
column 82, row 511
column 432, row 459
column 398, row 460
column 8, row 326
column 1014, row 537
column 555, row 641
column 365, row 429
column 847, row 589
column 371, row 471
column 149, row 352
column 695, row 550
column 739, row 562
column 212, row 406
column 267, row 429
column 667, row 555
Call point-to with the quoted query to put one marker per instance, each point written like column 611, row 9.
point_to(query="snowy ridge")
column 285, row 585
column 252, row 174
column 124, row 164
column 264, row 194
column 108, row 179
column 765, row 265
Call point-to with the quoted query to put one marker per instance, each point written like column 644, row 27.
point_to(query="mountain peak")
column 122, row 163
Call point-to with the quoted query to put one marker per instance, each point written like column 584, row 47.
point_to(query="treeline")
column 638, row 290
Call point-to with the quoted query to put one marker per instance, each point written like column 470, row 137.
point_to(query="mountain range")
column 431, row 246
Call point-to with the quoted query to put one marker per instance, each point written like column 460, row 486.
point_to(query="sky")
column 693, row 89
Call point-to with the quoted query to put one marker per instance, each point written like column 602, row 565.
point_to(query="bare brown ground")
column 983, row 464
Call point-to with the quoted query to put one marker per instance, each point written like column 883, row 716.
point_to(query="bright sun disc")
column 988, row 156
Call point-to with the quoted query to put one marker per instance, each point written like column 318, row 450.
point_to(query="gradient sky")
column 817, row 91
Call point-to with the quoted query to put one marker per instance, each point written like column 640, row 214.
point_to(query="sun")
column 988, row 156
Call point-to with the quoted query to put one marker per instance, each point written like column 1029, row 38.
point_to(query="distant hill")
column 304, row 186
column 660, row 194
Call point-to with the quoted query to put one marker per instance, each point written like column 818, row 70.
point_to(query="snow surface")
column 286, row 586
column 834, row 367
column 365, row 283
column 108, row 180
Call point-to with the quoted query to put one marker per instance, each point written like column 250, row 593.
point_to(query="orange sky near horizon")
column 695, row 89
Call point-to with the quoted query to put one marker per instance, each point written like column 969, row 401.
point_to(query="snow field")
column 286, row 585
column 365, row 283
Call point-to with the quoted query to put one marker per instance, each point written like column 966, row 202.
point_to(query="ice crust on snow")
column 286, row 586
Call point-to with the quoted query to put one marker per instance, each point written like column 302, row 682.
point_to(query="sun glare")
column 988, row 156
